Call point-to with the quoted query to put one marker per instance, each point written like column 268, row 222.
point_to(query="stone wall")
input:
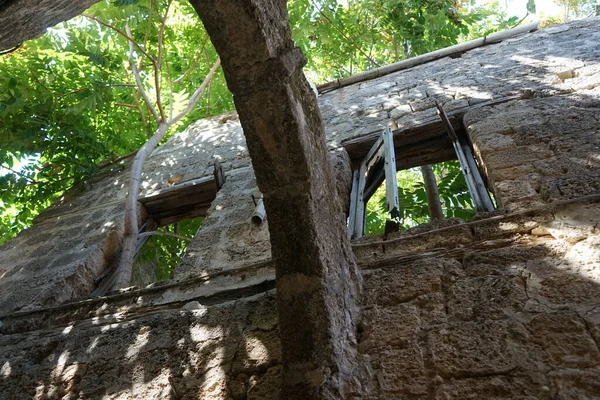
column 539, row 150
column 73, row 242
column 506, row 314
column 501, row 307
column 557, row 60
column 227, row 239
column 183, row 351
column 555, row 64
column 66, row 250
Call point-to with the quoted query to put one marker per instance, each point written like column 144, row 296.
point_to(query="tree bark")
column 317, row 280
column 433, row 195
column 129, row 247
column 122, row 275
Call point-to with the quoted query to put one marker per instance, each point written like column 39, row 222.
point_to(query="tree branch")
column 28, row 179
column 118, row 159
column 125, row 35
column 344, row 35
column 138, row 80
column 197, row 93
column 126, row 105
column 158, row 63
column 193, row 65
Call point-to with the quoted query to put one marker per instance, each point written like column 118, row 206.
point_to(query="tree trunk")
column 129, row 247
column 433, row 195
column 122, row 275
column 317, row 279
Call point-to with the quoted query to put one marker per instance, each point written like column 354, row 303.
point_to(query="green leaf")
column 531, row 6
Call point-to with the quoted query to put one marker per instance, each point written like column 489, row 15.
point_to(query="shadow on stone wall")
column 514, row 322
column 225, row 351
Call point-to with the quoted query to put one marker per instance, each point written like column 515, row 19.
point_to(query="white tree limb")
column 138, row 79
column 197, row 94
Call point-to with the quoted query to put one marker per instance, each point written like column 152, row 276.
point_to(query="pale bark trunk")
column 129, row 247
column 128, row 250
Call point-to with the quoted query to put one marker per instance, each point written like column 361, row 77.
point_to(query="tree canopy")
column 69, row 105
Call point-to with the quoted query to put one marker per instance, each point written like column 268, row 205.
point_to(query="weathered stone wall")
column 72, row 243
column 227, row 239
column 68, row 247
column 183, row 351
column 557, row 60
column 496, row 315
column 539, row 150
column 502, row 307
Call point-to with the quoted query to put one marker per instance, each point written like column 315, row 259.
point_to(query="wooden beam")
column 183, row 201
column 430, row 128
column 353, row 202
column 391, row 183
column 192, row 213
column 479, row 195
column 204, row 184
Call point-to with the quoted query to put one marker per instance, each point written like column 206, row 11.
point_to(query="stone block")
column 394, row 326
column 431, row 308
column 510, row 191
column 400, row 111
column 267, row 386
column 512, row 173
column 555, row 281
column 493, row 388
column 584, row 82
column 575, row 222
column 482, row 298
column 258, row 350
column 402, row 372
column 404, row 282
column 423, row 104
column 570, row 187
column 514, row 224
column 504, row 261
column 515, row 156
column 575, row 384
column 565, row 340
column 471, row 349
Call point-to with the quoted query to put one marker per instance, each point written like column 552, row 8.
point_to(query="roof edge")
column 428, row 57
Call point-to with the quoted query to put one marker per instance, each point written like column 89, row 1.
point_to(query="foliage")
column 574, row 9
column 456, row 200
column 68, row 103
column 166, row 251
column 341, row 38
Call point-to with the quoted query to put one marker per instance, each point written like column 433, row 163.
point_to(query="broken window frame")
column 377, row 166
column 380, row 164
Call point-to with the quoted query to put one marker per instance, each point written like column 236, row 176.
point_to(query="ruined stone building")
column 505, row 306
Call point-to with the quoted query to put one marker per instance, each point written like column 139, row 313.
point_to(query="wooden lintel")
column 358, row 148
column 183, row 201
column 183, row 215
column 430, row 128
column 199, row 184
